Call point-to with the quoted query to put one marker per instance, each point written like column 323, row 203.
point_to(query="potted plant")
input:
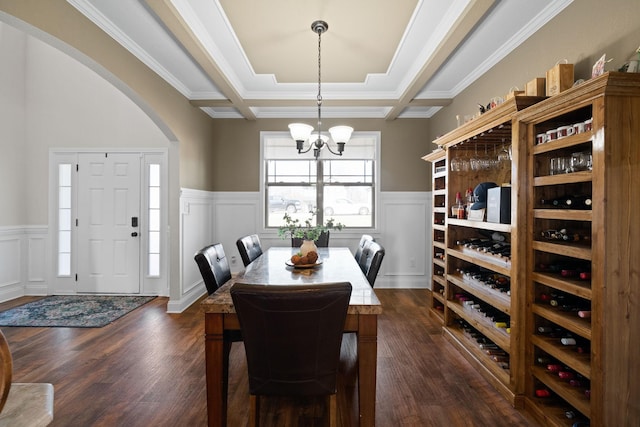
column 307, row 231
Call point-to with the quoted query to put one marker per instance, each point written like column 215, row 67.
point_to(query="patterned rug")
column 72, row 311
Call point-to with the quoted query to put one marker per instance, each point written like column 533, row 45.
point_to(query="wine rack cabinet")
column 478, row 294
column 582, row 271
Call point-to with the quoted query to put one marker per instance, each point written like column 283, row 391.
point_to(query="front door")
column 108, row 226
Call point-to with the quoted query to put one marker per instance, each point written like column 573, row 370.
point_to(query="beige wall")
column 581, row 33
column 182, row 122
column 237, row 151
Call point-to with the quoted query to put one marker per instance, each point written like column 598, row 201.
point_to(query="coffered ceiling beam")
column 170, row 17
column 456, row 35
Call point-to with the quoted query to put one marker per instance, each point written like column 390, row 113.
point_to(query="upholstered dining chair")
column 249, row 248
column 364, row 240
column 322, row 242
column 215, row 272
column 214, row 266
column 292, row 336
column 370, row 261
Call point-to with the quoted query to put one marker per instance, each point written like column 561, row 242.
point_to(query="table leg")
column 214, row 359
column 367, row 365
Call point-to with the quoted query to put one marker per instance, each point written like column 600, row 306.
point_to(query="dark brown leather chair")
column 249, row 248
column 363, row 242
column 215, row 272
column 292, row 337
column 370, row 261
column 213, row 266
column 322, row 242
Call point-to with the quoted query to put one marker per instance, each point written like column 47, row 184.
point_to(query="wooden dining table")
column 335, row 265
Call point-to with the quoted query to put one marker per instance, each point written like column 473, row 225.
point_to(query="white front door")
column 108, row 228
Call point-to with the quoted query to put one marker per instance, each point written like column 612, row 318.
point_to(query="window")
column 338, row 187
column 64, row 219
column 154, row 220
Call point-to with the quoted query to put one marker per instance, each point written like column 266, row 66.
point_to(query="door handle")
column 134, row 234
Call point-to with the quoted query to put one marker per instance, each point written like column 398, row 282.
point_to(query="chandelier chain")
column 319, row 97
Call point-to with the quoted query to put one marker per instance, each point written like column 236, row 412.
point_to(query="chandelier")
column 302, row 132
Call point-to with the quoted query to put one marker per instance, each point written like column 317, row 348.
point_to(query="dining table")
column 334, row 264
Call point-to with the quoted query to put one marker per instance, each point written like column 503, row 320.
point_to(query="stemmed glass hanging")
column 459, row 164
column 504, row 155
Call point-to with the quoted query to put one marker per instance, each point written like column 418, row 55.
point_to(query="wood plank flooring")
column 147, row 369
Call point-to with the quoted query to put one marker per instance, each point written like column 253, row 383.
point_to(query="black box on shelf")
column 499, row 205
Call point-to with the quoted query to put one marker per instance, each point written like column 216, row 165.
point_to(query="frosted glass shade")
column 341, row 133
column 300, row 131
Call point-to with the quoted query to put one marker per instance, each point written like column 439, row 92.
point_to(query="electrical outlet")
column 233, row 260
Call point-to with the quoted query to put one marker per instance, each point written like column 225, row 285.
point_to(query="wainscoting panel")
column 23, row 261
column 196, row 232
column 405, row 231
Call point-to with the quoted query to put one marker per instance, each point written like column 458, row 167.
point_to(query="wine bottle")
column 568, row 202
column 571, row 414
column 554, row 203
column 542, row 392
column 566, row 375
column 578, row 202
column 585, row 314
column 568, row 341
column 459, row 209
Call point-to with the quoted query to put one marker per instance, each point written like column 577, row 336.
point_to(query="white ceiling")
column 380, row 58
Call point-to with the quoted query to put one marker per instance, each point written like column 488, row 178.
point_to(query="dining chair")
column 249, row 248
column 215, row 272
column 322, row 242
column 213, row 266
column 363, row 242
column 6, row 370
column 370, row 261
column 292, row 337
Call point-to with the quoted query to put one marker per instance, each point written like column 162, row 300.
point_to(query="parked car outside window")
column 278, row 203
column 345, row 207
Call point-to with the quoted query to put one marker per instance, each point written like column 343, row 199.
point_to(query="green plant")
column 293, row 227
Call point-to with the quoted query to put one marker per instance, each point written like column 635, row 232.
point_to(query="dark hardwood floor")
column 147, row 369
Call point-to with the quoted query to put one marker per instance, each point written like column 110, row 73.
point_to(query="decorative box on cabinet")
column 597, row 269
column 483, row 302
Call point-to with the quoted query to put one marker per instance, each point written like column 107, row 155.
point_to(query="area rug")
column 72, row 311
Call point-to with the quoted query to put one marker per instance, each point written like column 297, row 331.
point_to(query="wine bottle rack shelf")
column 497, row 299
column 472, row 348
column 575, row 396
column 579, row 362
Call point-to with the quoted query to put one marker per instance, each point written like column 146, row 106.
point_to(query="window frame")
column 375, row 186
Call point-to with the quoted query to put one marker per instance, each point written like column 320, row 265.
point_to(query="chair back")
column 6, row 366
column 292, row 336
column 249, row 248
column 363, row 241
column 213, row 266
column 370, row 261
column 322, row 242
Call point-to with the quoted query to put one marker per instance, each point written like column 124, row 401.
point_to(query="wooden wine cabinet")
column 484, row 138
column 596, row 270
column 608, row 245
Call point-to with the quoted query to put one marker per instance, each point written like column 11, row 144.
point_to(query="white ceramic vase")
column 308, row 246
